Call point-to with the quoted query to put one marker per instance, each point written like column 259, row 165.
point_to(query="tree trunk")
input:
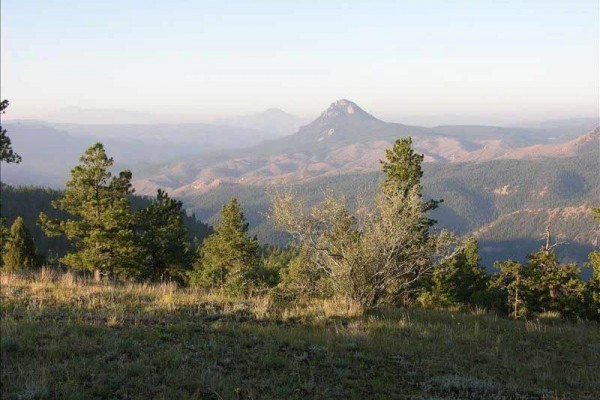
column 97, row 276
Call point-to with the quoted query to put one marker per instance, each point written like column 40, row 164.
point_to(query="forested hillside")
column 506, row 203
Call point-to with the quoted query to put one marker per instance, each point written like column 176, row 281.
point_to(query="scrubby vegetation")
column 64, row 336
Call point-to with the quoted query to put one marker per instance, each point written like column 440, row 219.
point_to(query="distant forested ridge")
column 505, row 203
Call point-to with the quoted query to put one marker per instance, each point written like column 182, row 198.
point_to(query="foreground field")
column 65, row 338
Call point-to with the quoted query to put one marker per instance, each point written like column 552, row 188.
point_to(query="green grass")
column 66, row 338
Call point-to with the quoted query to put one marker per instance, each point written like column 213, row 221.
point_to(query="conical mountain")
column 342, row 121
column 342, row 109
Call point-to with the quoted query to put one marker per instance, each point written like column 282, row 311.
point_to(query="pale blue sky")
column 496, row 60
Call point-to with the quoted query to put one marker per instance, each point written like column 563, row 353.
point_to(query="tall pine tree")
column 403, row 173
column 163, row 238
column 101, row 229
column 19, row 249
column 229, row 257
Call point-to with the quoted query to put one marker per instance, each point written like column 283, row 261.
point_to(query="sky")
column 448, row 60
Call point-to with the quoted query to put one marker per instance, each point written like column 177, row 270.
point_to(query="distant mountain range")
column 51, row 149
column 343, row 139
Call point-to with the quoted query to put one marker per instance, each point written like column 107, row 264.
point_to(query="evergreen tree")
column 7, row 154
column 459, row 280
column 273, row 260
column 510, row 288
column 4, row 233
column 592, row 287
column 19, row 248
column 228, row 258
column 30, row 201
column 541, row 285
column 557, row 287
column 163, row 238
column 403, row 172
column 101, row 229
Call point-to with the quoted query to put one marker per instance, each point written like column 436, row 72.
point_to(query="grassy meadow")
column 65, row 337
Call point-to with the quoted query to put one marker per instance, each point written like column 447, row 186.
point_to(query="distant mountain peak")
column 343, row 108
column 274, row 111
column 343, row 120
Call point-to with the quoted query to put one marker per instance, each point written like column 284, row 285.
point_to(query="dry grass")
column 67, row 337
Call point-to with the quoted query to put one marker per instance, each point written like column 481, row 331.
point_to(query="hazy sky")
column 496, row 60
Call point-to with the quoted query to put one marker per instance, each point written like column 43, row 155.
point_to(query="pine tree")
column 19, row 248
column 471, row 277
column 557, row 287
column 402, row 166
column 403, row 172
column 163, row 238
column 101, row 229
column 592, row 287
column 542, row 284
column 510, row 287
column 7, row 155
column 228, row 258
column 459, row 280
column 274, row 260
column 4, row 233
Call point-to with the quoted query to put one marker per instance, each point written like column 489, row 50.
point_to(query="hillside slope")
column 64, row 337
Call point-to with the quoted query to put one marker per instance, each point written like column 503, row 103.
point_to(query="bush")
column 300, row 280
